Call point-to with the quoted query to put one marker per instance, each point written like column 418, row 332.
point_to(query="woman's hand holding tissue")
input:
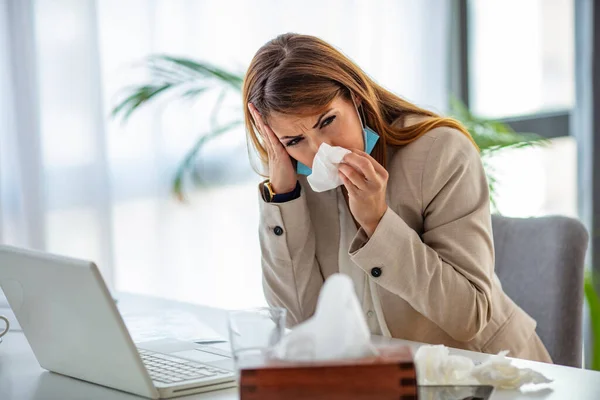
column 366, row 181
column 282, row 174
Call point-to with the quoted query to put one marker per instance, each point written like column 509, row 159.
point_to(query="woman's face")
column 338, row 125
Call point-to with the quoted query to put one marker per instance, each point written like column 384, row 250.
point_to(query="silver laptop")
column 74, row 328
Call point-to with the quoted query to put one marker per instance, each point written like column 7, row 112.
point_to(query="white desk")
column 21, row 377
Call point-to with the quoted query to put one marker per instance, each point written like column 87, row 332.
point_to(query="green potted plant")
column 593, row 300
column 184, row 78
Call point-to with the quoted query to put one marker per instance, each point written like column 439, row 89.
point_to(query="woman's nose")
column 317, row 142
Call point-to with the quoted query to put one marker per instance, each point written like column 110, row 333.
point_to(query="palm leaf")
column 184, row 77
column 190, row 158
column 188, row 67
column 492, row 181
column 491, row 135
column 594, row 305
column 138, row 96
column 214, row 127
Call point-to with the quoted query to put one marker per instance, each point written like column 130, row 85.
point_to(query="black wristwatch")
column 270, row 196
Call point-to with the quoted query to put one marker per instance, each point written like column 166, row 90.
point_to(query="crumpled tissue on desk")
column 435, row 366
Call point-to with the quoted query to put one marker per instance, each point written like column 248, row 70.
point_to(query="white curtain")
column 75, row 182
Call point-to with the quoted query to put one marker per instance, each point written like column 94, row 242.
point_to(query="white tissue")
column 435, row 366
column 337, row 330
column 324, row 174
column 499, row 371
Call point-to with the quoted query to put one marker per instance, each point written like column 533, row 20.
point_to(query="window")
column 521, row 56
column 537, row 181
column 517, row 66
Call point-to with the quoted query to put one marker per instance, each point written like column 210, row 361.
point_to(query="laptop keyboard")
column 167, row 369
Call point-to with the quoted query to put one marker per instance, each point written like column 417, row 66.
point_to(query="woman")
column 411, row 224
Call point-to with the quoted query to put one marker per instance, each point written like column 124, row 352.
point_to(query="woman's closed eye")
column 326, row 122
column 294, row 141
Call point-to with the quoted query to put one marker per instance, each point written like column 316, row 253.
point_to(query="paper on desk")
column 168, row 323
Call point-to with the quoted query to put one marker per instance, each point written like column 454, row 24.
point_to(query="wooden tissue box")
column 391, row 375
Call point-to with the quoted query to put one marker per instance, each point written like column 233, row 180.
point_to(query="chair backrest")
column 540, row 263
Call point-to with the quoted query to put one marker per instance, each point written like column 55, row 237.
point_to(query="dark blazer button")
column 278, row 230
column 376, row 272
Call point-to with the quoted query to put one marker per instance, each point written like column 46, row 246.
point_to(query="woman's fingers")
column 260, row 126
column 275, row 142
column 363, row 172
column 378, row 167
column 363, row 165
column 353, row 191
column 274, row 146
column 354, row 176
column 257, row 118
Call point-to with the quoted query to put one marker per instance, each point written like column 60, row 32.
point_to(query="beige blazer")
column 433, row 247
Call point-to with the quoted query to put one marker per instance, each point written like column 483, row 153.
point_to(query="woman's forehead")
column 294, row 124
column 291, row 124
